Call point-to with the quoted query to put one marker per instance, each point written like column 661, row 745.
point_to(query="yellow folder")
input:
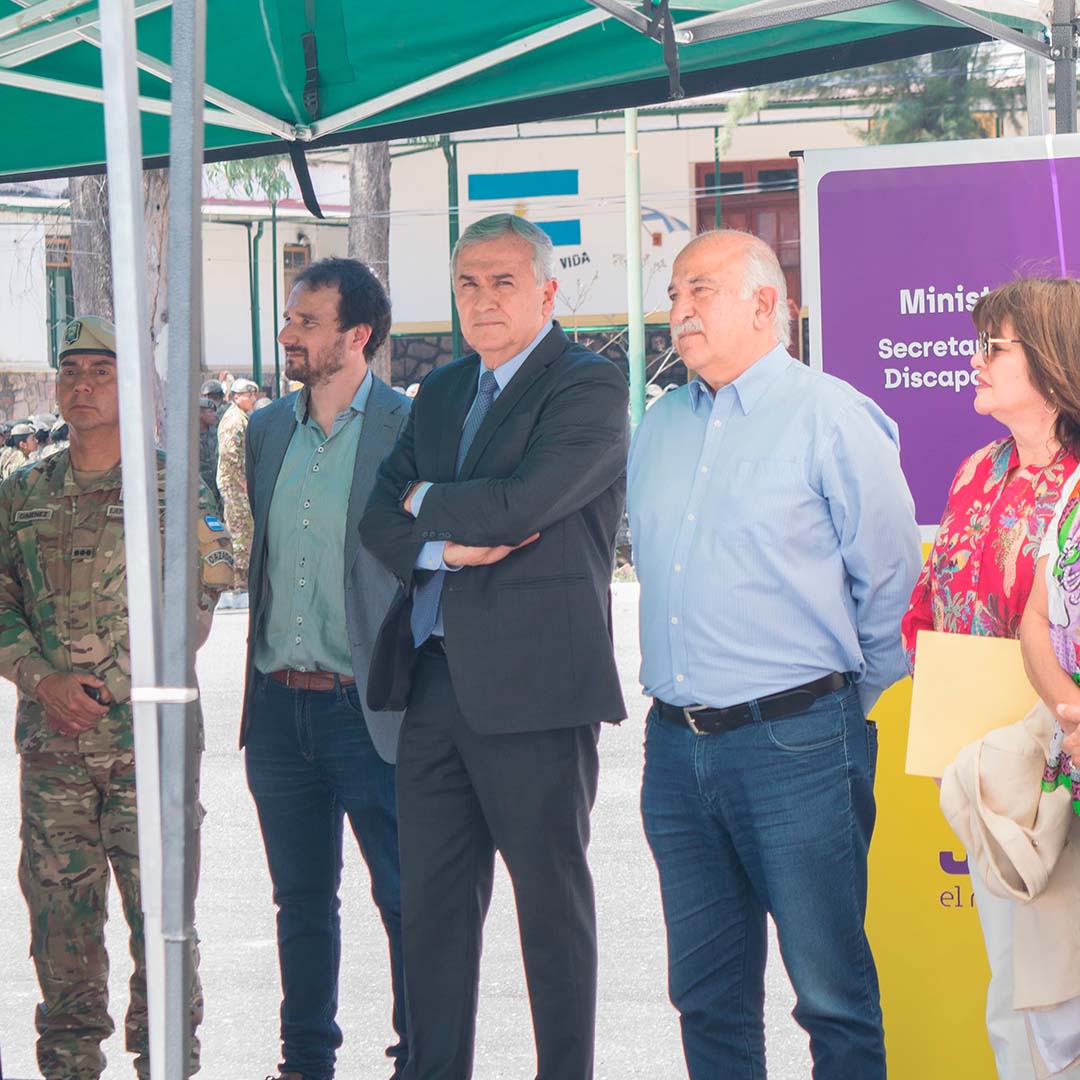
column 965, row 686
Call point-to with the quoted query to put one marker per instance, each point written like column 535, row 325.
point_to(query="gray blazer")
column 369, row 587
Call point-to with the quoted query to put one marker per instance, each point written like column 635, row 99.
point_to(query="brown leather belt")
column 310, row 680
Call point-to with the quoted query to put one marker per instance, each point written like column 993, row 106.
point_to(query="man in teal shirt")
column 313, row 752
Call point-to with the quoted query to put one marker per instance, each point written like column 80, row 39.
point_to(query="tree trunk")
column 91, row 265
column 369, row 223
column 156, row 223
column 91, row 262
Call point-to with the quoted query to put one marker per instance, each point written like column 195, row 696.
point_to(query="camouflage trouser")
column 78, row 819
column 241, row 527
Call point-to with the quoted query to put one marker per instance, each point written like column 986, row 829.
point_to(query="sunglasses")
column 985, row 341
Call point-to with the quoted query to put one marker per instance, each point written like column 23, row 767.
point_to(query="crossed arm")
column 576, row 450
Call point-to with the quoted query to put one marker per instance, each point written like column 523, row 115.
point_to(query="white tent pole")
column 453, row 74
column 36, row 13
column 142, row 544
column 635, row 313
column 1037, row 87
column 33, row 44
column 159, row 106
column 180, row 716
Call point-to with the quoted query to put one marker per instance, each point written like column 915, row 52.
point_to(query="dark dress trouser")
column 462, row 796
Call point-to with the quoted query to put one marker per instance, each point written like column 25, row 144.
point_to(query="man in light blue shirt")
column 775, row 542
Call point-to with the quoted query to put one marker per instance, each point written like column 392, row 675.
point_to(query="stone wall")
column 24, row 393
column 415, row 355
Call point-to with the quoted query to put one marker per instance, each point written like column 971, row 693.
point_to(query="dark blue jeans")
column 774, row 817
column 310, row 761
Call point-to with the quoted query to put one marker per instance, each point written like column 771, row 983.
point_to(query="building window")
column 59, row 296
column 295, row 259
column 760, row 197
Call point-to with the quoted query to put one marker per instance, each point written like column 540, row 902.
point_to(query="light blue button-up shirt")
column 774, row 537
column 305, row 626
column 431, row 554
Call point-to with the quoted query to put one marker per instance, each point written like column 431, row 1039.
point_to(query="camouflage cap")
column 60, row 425
column 244, row 386
column 211, row 386
column 21, row 430
column 206, row 403
column 262, row 403
column 90, row 334
column 43, row 421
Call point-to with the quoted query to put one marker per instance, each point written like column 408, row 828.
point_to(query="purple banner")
column 904, row 255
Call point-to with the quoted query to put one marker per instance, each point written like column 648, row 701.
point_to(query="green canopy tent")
column 326, row 72
column 127, row 82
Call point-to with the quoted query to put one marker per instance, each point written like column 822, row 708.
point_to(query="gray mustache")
column 686, row 327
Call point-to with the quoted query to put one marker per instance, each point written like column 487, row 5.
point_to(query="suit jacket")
column 528, row 639
column 368, row 586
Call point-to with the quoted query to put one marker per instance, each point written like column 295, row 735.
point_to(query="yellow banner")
column 923, row 927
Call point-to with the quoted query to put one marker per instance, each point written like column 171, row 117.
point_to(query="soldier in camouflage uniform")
column 64, row 642
column 22, row 442
column 5, row 450
column 215, row 391
column 208, row 448
column 231, row 481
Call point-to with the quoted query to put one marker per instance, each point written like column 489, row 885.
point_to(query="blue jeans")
column 774, row 817
column 310, row 761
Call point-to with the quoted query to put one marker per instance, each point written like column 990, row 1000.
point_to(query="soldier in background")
column 208, row 448
column 5, row 450
column 58, row 437
column 22, row 442
column 65, row 643
column 232, row 483
column 214, row 389
column 42, row 426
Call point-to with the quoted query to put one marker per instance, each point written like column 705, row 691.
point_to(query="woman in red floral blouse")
column 982, row 565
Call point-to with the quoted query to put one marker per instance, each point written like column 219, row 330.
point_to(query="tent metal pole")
column 58, row 34
column 142, row 538
column 277, row 313
column 158, row 106
column 767, row 14
column 180, row 719
column 1037, row 86
column 454, row 74
column 449, row 149
column 36, row 13
column 635, row 310
column 256, row 313
column 1063, row 53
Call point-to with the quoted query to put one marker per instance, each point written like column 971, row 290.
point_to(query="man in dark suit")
column 497, row 512
column 313, row 752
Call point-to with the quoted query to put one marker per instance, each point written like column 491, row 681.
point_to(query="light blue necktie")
column 427, row 595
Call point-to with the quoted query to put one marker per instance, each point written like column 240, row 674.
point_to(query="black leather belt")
column 434, row 644
column 702, row 720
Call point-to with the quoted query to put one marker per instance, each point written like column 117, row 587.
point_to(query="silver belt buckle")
column 688, row 716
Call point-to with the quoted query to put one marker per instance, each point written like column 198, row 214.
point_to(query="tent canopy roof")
column 420, row 68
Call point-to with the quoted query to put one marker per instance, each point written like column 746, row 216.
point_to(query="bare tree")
column 369, row 223
column 156, row 220
column 91, row 264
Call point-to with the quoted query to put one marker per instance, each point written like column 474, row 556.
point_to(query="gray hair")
column 496, row 225
column 761, row 269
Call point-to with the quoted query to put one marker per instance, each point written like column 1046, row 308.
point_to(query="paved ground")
column 637, row 1028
